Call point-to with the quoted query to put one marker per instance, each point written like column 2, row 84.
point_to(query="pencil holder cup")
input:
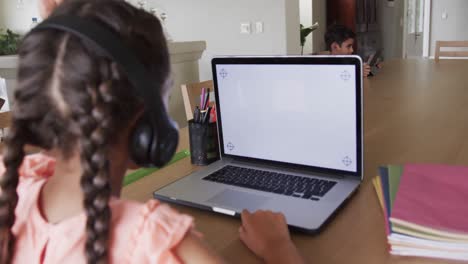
column 203, row 139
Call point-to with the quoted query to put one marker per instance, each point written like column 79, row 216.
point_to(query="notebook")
column 428, row 215
column 433, row 198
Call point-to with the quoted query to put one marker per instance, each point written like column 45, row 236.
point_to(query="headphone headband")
column 109, row 43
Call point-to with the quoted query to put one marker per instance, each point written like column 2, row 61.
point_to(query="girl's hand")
column 267, row 235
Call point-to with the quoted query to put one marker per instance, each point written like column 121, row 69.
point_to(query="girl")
column 62, row 206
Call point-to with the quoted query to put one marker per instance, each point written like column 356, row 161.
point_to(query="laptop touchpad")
column 238, row 200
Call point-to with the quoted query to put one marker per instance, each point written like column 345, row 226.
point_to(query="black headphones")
column 154, row 140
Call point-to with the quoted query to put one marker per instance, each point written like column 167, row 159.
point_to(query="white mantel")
column 186, row 51
column 184, row 60
column 8, row 62
column 180, row 52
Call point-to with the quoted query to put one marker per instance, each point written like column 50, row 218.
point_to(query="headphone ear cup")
column 167, row 142
column 142, row 142
column 152, row 146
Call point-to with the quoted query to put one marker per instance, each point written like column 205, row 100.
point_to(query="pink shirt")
column 140, row 233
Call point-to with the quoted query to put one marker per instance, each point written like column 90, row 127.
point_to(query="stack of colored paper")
column 425, row 209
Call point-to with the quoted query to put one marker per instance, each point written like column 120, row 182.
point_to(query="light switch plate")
column 245, row 28
column 259, row 27
column 444, row 15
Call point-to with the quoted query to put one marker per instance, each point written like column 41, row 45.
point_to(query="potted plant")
column 9, row 42
column 304, row 32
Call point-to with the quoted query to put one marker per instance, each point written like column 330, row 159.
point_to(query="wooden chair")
column 5, row 120
column 191, row 94
column 453, row 53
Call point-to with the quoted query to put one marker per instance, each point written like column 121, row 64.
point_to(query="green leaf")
column 304, row 32
column 9, row 42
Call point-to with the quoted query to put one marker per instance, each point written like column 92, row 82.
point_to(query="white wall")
column 218, row 23
column 215, row 21
column 319, row 14
column 306, row 20
column 17, row 19
column 293, row 42
column 452, row 28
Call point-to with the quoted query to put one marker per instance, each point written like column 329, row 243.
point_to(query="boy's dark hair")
column 70, row 96
column 339, row 34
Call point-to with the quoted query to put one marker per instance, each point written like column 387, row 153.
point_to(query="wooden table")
column 415, row 111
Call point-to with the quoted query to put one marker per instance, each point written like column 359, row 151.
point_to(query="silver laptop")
column 290, row 137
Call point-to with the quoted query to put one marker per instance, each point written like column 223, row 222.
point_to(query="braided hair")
column 72, row 97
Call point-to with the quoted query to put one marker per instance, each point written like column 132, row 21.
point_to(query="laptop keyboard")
column 273, row 182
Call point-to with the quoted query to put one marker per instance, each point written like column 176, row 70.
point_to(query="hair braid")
column 64, row 101
column 96, row 130
column 8, row 195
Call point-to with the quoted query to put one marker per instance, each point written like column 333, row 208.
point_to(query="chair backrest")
column 191, row 94
column 5, row 119
column 452, row 53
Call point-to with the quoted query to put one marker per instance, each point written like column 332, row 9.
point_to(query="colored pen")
column 206, row 116
column 196, row 115
column 202, row 98
column 213, row 114
column 202, row 116
column 207, row 99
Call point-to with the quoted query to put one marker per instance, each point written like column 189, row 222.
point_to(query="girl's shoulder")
column 35, row 166
column 148, row 232
column 35, row 169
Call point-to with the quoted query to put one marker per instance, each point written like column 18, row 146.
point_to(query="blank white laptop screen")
column 299, row 114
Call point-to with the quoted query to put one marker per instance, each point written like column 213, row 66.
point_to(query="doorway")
column 416, row 28
column 305, row 7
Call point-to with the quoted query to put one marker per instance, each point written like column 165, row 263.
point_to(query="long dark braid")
column 8, row 197
column 35, row 127
column 95, row 178
column 71, row 96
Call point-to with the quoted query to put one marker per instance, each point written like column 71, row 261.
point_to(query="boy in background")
column 339, row 40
